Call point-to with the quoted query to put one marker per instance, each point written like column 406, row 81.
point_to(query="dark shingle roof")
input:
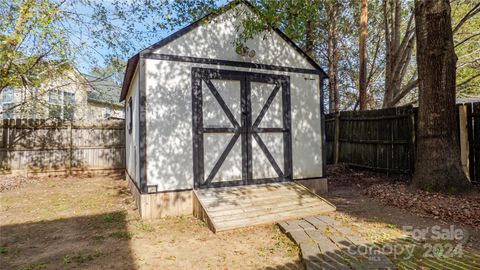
column 103, row 90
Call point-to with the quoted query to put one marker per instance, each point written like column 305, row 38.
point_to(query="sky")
column 93, row 53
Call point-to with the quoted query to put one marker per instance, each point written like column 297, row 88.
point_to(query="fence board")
column 473, row 116
column 34, row 146
column 385, row 139
column 377, row 139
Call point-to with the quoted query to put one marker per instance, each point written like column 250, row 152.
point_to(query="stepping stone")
column 314, row 259
column 315, row 222
column 306, row 225
column 328, row 220
column 325, row 244
column 300, row 237
column 334, row 260
column 310, row 255
column 287, row 227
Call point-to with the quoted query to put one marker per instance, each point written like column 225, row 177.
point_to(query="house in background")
column 72, row 96
column 102, row 100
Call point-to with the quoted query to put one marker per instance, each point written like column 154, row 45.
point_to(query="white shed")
column 200, row 115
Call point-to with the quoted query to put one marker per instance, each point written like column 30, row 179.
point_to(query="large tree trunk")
column 437, row 165
column 334, row 102
column 363, row 56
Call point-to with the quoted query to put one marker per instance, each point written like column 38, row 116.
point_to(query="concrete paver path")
column 326, row 244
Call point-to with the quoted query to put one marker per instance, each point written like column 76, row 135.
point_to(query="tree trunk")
column 437, row 165
column 363, row 57
column 334, row 102
column 309, row 37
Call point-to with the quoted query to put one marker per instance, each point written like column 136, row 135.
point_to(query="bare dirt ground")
column 393, row 195
column 91, row 223
column 385, row 211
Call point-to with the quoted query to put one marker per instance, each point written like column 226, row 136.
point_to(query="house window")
column 8, row 103
column 107, row 112
column 62, row 105
column 68, row 105
column 130, row 119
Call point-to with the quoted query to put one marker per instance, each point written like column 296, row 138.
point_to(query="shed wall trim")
column 133, row 61
column 142, row 116
column 322, row 125
column 165, row 78
column 188, row 59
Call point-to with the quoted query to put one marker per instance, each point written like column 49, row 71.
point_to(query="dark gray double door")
column 241, row 128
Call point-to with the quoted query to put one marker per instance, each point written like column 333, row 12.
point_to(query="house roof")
column 133, row 61
column 104, row 90
column 465, row 100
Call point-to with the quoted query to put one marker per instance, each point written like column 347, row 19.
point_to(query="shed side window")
column 130, row 119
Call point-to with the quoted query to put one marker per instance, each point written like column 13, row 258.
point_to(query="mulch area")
column 395, row 191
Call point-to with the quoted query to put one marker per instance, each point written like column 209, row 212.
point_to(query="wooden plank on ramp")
column 235, row 207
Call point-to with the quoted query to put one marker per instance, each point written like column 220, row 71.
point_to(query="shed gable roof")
column 175, row 40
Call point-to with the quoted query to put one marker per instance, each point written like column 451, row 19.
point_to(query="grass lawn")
column 91, row 223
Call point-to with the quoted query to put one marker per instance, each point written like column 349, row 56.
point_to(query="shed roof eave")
column 129, row 72
column 133, row 61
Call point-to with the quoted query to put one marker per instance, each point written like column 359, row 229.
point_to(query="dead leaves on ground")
column 464, row 208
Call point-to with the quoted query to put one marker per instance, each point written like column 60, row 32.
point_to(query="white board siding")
column 169, row 123
column 215, row 117
column 214, row 40
column 132, row 139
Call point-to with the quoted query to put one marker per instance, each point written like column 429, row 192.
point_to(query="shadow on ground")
column 87, row 242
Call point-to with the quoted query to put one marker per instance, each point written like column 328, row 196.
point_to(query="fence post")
column 463, row 134
column 5, row 164
column 70, row 148
column 411, row 126
column 336, row 138
column 471, row 142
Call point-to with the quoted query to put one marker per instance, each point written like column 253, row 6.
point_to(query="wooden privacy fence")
column 377, row 139
column 473, row 147
column 384, row 139
column 33, row 146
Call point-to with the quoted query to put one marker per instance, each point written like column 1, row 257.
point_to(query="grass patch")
column 328, row 231
column 35, row 266
column 80, row 258
column 3, row 250
column 201, row 223
column 98, row 237
column 88, row 205
column 391, row 226
column 114, row 217
column 125, row 235
column 145, row 227
column 282, row 242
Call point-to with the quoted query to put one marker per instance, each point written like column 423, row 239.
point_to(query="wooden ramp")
column 235, row 207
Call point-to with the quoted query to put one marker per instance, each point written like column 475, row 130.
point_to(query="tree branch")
column 404, row 91
column 462, row 84
column 470, row 14
column 467, row 39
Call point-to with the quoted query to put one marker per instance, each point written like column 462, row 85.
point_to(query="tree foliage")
column 41, row 38
column 466, row 21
